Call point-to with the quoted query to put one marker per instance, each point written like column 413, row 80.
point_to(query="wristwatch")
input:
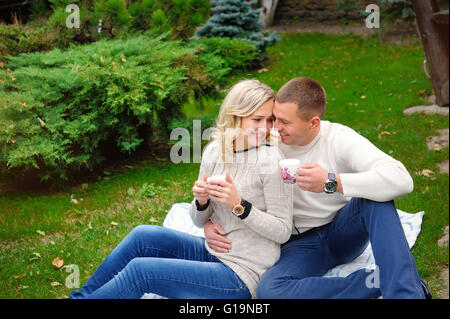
column 242, row 209
column 330, row 185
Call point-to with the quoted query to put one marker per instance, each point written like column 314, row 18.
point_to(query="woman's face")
column 257, row 126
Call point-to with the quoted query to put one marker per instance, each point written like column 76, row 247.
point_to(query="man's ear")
column 314, row 122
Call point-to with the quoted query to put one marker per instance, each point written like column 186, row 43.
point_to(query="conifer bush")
column 238, row 19
column 62, row 112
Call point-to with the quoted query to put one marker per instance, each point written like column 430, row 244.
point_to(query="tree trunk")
column 268, row 13
column 433, row 30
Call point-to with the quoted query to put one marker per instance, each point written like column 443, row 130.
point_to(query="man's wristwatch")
column 242, row 209
column 330, row 185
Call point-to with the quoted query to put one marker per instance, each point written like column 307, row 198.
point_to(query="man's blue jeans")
column 169, row 263
column 305, row 258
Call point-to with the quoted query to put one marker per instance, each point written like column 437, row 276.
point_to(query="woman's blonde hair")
column 243, row 99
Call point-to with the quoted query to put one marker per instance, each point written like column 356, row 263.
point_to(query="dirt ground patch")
column 443, row 293
column 398, row 33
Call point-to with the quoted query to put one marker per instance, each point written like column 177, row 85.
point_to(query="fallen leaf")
column 36, row 256
column 263, row 70
column 131, row 191
column 41, row 122
column 57, row 262
column 426, row 173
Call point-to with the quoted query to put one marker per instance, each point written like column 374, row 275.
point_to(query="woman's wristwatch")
column 242, row 210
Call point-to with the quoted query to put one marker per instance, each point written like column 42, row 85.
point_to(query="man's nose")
column 276, row 124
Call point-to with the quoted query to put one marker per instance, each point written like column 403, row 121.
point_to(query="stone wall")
column 315, row 10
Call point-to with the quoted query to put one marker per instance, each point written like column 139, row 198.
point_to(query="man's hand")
column 312, row 177
column 215, row 239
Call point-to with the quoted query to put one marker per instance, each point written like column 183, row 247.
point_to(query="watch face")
column 330, row 187
column 238, row 210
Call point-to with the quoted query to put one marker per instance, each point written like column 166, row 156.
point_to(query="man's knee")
column 369, row 206
column 269, row 287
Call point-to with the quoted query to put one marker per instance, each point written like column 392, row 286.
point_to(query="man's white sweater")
column 365, row 172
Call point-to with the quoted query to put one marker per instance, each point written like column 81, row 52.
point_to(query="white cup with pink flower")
column 288, row 170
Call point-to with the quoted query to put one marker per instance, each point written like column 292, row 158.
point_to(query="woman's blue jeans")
column 166, row 262
column 307, row 257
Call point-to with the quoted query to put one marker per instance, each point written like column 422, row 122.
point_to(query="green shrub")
column 16, row 39
column 61, row 112
column 222, row 55
column 141, row 14
column 119, row 19
column 114, row 15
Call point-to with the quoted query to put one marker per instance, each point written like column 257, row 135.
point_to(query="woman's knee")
column 145, row 231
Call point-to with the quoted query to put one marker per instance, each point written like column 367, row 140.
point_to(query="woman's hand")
column 224, row 192
column 200, row 190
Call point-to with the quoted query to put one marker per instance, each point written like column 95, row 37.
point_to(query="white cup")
column 216, row 178
column 288, row 170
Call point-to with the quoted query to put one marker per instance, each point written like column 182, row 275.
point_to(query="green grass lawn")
column 368, row 85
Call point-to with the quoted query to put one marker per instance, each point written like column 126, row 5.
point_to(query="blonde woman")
column 251, row 203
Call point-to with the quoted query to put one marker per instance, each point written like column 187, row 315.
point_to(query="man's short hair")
column 307, row 93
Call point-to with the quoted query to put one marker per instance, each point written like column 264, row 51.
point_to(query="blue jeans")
column 169, row 263
column 305, row 258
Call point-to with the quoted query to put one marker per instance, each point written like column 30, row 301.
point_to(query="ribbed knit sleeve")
column 275, row 223
column 200, row 217
column 374, row 174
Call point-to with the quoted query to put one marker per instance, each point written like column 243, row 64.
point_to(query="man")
column 343, row 198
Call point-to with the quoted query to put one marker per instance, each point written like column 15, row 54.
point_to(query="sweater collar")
column 305, row 148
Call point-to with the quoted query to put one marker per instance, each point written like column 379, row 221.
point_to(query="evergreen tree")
column 238, row 19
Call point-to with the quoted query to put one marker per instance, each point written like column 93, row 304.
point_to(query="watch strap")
column 247, row 208
column 201, row 207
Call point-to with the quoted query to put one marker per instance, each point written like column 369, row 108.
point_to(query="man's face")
column 292, row 128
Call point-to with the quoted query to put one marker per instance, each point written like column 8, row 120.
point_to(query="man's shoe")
column 426, row 290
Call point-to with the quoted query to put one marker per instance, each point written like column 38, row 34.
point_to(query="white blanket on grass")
column 178, row 218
